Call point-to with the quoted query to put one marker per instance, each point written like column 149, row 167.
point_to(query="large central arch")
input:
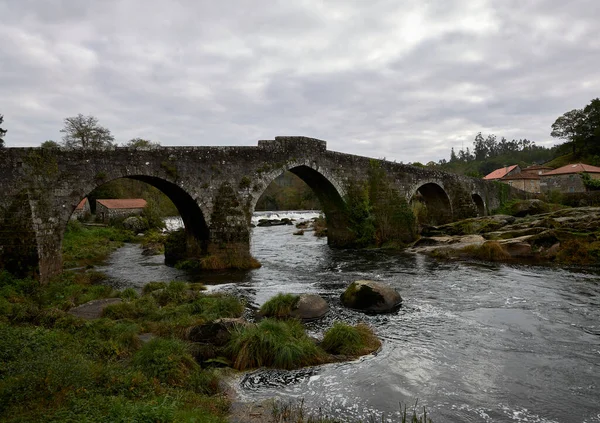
column 329, row 192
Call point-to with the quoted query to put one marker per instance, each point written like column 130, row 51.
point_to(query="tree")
column 50, row 144
column 453, row 157
column 2, row 132
column 142, row 144
column 569, row 127
column 84, row 132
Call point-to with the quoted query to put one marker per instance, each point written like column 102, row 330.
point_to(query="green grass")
column 281, row 305
column 344, row 339
column 84, row 246
column 295, row 412
column 273, row 343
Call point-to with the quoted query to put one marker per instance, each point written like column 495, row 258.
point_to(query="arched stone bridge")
column 215, row 190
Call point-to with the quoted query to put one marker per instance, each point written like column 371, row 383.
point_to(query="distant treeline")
column 288, row 192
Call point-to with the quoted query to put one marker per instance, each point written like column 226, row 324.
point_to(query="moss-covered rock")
column 371, row 297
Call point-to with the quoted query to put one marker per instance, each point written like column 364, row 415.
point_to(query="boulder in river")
column 217, row 333
column 371, row 297
column 310, row 307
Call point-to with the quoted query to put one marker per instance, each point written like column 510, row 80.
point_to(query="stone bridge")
column 215, row 190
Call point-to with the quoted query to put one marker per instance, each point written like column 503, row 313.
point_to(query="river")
column 472, row 342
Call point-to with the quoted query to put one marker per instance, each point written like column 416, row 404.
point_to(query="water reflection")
column 473, row 342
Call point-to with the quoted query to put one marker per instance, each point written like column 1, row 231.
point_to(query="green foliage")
column 279, row 344
column 50, row 144
column 2, row 132
column 488, row 251
column 378, row 215
column 245, row 182
column 87, row 246
column 142, row 144
column 84, row 132
column 288, row 192
column 589, row 183
column 360, row 218
column 170, row 168
column 580, row 128
column 281, row 305
column 167, row 360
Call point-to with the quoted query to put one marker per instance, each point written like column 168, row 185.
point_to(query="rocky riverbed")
column 565, row 236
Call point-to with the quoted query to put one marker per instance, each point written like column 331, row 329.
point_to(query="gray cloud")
column 402, row 80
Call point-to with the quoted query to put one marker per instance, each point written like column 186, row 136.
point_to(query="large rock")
column 528, row 207
column 135, row 224
column 93, row 309
column 371, row 297
column 310, row 307
column 216, row 333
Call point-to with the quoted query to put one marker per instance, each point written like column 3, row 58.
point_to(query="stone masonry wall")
column 214, row 188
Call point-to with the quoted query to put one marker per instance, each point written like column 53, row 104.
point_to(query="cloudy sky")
column 401, row 79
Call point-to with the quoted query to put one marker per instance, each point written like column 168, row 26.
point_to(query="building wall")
column 565, row 183
column 528, row 185
column 105, row 214
column 82, row 213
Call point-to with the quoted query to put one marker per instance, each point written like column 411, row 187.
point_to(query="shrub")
column 280, row 344
column 281, row 305
column 128, row 294
column 167, row 360
column 489, row 251
column 344, row 339
column 174, row 293
column 153, row 286
column 212, row 307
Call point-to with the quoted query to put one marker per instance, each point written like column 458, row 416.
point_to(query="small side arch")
column 479, row 204
column 436, row 205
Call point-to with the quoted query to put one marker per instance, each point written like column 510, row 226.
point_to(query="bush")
column 167, row 360
column 279, row 344
column 489, row 251
column 212, row 307
column 281, row 305
column 344, row 339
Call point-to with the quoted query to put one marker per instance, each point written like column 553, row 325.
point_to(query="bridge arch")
column 326, row 187
column 435, row 198
column 479, row 203
column 192, row 215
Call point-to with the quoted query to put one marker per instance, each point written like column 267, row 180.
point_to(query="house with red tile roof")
column 568, row 178
column 525, row 181
column 502, row 172
column 82, row 210
column 109, row 209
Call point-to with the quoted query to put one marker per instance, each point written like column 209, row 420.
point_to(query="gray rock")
column 135, row 224
column 93, row 309
column 310, row 307
column 371, row 297
column 217, row 333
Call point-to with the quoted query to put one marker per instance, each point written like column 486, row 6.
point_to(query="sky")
column 401, row 80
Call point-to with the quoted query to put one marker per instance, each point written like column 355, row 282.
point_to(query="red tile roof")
column 573, row 168
column 499, row 173
column 521, row 175
column 81, row 204
column 125, row 203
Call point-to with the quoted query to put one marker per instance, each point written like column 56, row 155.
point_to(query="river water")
column 472, row 342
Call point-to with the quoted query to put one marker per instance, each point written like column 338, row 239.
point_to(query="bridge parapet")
column 293, row 144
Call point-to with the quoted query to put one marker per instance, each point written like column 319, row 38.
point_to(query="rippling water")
column 472, row 342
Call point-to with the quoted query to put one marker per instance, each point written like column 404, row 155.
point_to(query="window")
column 571, row 189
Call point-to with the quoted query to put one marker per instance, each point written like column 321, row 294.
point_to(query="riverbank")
column 568, row 236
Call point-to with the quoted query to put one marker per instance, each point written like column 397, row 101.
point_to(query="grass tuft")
column 273, row 343
column 354, row 341
column 281, row 305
